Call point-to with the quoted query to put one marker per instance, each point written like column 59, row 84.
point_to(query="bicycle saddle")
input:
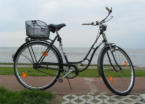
column 54, row 27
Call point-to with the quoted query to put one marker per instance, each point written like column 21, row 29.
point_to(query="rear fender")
column 27, row 43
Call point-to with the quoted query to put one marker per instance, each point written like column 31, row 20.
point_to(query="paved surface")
column 102, row 99
column 85, row 91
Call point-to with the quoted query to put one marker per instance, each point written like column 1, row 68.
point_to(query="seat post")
column 59, row 38
column 64, row 57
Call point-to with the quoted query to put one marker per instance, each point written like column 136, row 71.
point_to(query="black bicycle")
column 38, row 63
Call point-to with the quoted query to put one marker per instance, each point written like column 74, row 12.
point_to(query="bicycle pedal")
column 60, row 80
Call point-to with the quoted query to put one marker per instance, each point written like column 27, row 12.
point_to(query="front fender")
column 109, row 44
column 100, row 54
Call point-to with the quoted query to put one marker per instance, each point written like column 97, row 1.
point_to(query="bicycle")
column 38, row 63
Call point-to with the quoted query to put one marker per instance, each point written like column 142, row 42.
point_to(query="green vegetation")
column 6, row 63
column 94, row 73
column 87, row 73
column 25, row 97
column 10, row 71
column 6, row 71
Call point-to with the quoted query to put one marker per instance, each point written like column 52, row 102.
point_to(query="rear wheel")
column 116, row 70
column 34, row 75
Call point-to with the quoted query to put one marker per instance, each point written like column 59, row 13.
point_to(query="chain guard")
column 74, row 73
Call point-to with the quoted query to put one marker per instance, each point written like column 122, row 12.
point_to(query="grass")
column 24, row 97
column 10, row 71
column 87, row 73
column 6, row 71
column 6, row 63
column 94, row 73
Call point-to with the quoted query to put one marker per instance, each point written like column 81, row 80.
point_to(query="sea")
column 76, row 54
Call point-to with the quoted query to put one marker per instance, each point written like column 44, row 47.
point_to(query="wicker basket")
column 37, row 29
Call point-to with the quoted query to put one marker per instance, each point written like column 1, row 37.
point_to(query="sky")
column 126, row 29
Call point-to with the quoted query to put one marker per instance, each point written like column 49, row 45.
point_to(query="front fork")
column 112, row 46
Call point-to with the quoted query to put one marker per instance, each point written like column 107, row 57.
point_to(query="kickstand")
column 69, row 83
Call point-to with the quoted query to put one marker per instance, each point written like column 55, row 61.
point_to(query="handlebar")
column 109, row 12
column 103, row 20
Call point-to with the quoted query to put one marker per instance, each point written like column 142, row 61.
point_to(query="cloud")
column 12, row 38
column 126, row 24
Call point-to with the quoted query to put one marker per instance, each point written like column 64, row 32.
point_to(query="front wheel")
column 117, row 70
column 33, row 73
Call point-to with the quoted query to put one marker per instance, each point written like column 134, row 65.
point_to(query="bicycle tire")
column 24, row 67
column 120, row 79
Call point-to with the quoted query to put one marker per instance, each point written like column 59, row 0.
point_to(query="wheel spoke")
column 30, row 73
column 118, row 72
column 27, row 58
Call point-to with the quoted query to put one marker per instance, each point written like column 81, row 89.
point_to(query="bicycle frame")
column 92, row 49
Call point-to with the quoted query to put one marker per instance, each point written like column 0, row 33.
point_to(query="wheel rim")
column 36, row 78
column 120, row 81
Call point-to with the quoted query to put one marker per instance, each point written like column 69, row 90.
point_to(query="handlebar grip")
column 109, row 10
column 88, row 23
